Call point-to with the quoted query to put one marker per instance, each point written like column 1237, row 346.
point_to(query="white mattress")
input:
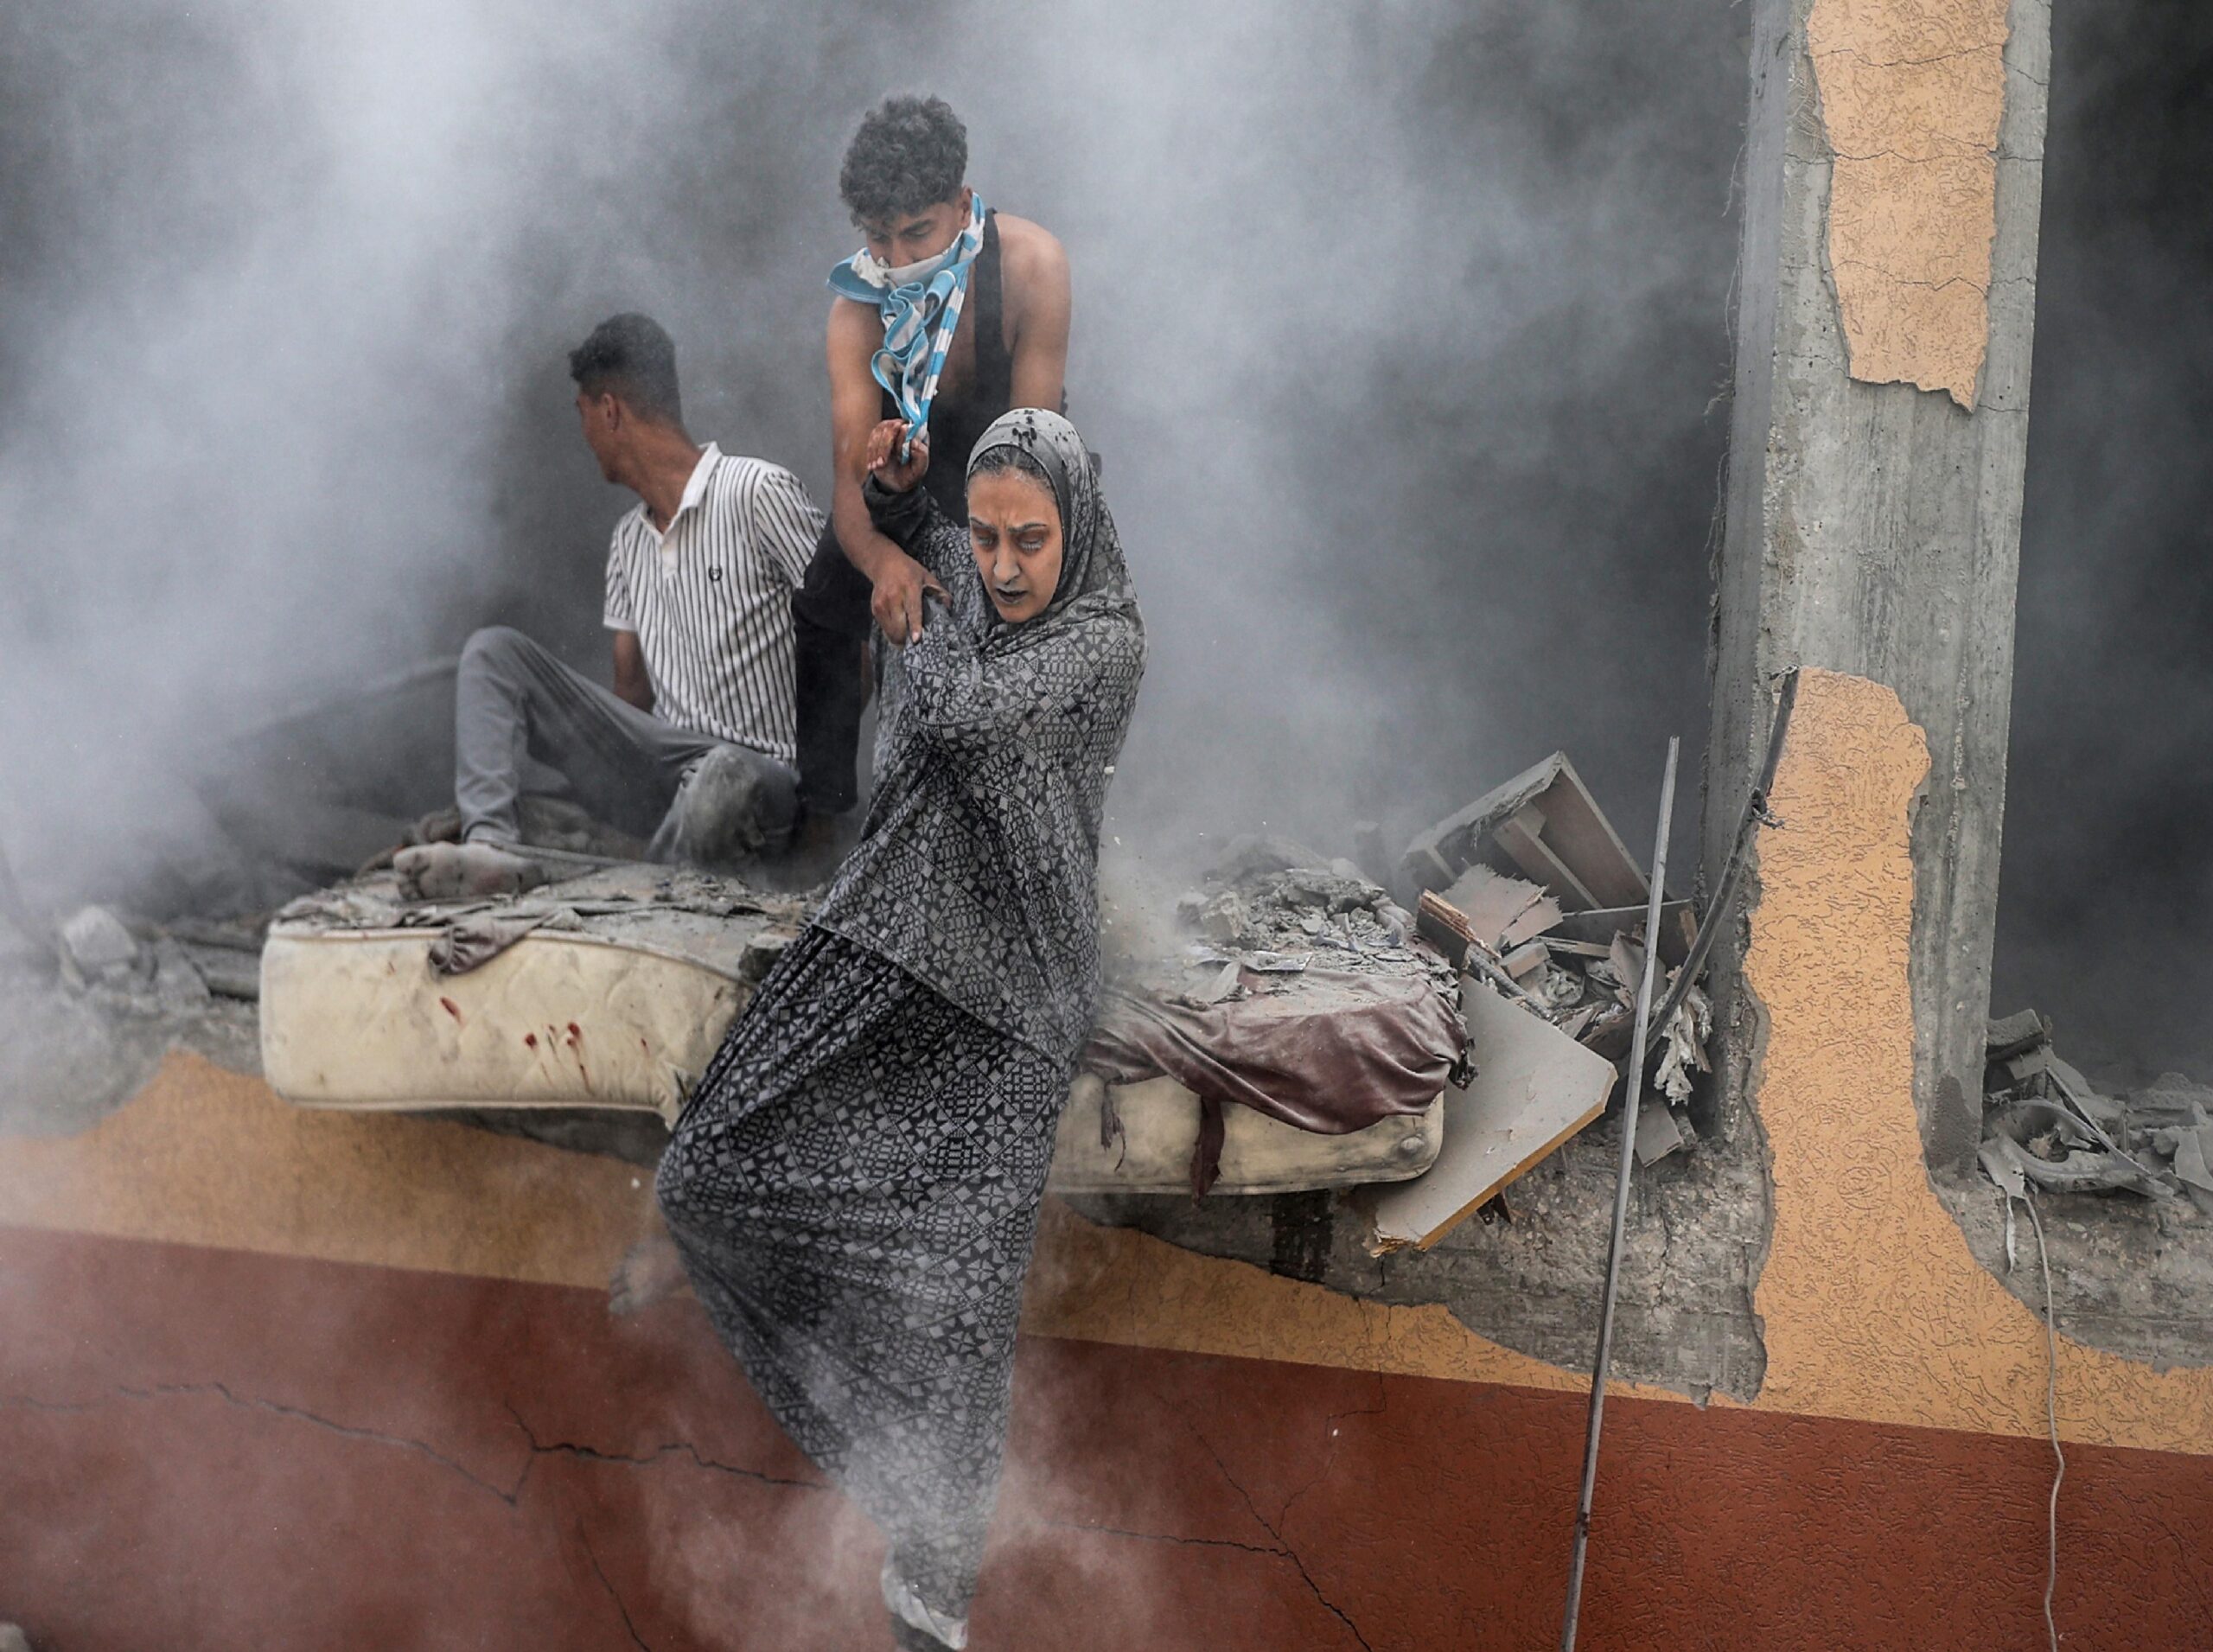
column 621, row 1000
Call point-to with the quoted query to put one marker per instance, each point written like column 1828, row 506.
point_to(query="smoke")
column 2107, row 890
column 1397, row 326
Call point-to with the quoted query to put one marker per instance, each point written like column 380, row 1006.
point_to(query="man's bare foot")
column 650, row 1271
column 447, row 871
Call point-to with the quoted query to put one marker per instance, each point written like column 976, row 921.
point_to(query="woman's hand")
column 891, row 473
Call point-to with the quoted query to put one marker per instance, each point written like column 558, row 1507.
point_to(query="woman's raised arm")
column 966, row 702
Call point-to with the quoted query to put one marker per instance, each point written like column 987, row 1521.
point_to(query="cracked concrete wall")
column 1875, row 528
column 1531, row 1284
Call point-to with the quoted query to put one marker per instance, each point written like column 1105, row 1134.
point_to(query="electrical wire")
column 2051, row 1420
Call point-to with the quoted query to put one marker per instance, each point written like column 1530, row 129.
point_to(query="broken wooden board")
column 1534, row 1087
column 1678, row 928
column 1527, row 959
column 1496, row 906
column 1521, row 837
column 1446, row 927
column 1543, row 823
column 1657, row 1132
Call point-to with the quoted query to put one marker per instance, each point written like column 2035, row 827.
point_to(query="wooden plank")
column 1438, row 855
column 1541, row 918
column 1526, row 959
column 1576, row 838
column 1446, row 927
column 1534, row 1087
column 1493, row 902
column 1521, row 837
column 1678, row 925
column 1564, row 947
column 1585, row 842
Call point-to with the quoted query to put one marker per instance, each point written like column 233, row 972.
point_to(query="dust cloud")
column 1399, row 328
column 2106, row 896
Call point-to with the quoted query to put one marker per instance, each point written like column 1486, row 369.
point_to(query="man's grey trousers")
column 704, row 802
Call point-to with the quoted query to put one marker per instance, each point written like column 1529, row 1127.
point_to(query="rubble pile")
column 140, row 969
column 1527, row 893
column 1269, row 911
column 96, row 1000
column 2045, row 1123
column 1529, row 889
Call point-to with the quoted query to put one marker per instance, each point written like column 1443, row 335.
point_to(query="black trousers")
column 830, row 625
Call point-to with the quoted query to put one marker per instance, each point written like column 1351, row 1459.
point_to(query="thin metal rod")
column 1702, row 944
column 1632, row 1098
column 1716, row 912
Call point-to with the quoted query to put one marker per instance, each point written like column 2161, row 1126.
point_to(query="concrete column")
column 1893, row 172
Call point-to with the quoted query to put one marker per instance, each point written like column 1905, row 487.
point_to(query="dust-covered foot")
column 907, row 1638
column 448, row 872
column 649, row 1271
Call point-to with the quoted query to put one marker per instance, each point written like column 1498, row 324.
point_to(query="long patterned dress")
column 854, row 1186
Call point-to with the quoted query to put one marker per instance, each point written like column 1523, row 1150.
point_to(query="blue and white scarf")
column 921, row 307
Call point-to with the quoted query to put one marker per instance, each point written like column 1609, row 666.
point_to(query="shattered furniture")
column 1289, row 1026
column 1533, row 1087
column 612, row 990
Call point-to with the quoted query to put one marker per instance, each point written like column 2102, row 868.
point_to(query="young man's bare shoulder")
column 1031, row 250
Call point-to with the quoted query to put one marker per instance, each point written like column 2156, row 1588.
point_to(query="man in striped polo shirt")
column 696, row 743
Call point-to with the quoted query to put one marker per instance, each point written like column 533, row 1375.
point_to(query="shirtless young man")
column 937, row 259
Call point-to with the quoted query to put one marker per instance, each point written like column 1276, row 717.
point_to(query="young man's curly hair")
column 909, row 154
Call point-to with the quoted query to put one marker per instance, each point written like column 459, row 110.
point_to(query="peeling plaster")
column 1911, row 93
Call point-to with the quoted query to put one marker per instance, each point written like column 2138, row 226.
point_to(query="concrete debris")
column 2016, row 1034
column 1530, row 889
column 96, row 945
column 227, row 973
column 1658, row 1133
column 1678, row 928
column 1273, row 919
column 179, row 987
column 2045, row 1123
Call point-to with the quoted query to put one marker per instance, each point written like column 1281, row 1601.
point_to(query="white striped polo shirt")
column 710, row 600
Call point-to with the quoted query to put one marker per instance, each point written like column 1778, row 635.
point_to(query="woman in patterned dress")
column 854, row 1186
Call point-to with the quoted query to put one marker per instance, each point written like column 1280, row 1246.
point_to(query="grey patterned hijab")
column 1091, row 551
column 977, row 871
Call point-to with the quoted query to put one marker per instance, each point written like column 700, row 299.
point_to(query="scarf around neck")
column 921, row 314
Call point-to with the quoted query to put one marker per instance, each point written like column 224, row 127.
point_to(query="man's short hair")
column 632, row 356
column 909, row 154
